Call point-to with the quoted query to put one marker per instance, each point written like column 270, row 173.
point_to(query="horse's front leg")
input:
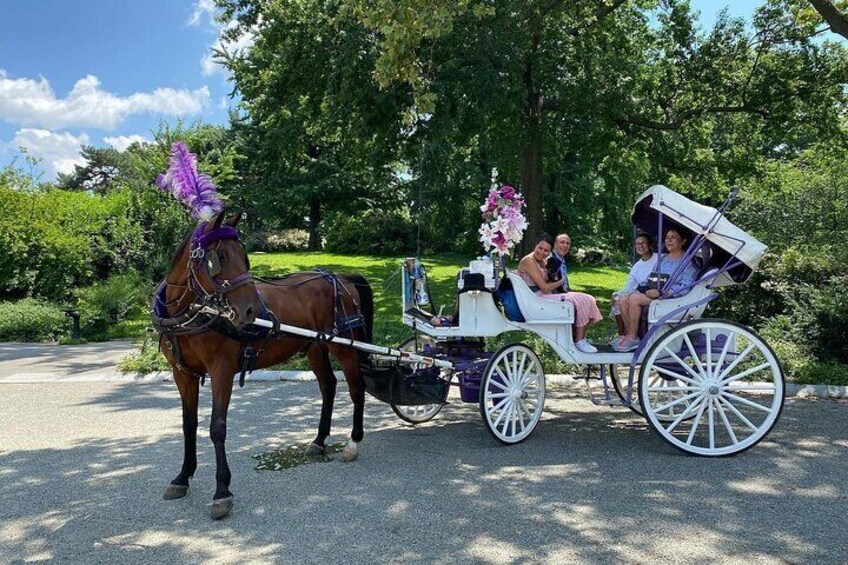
column 319, row 360
column 222, row 389
column 188, row 386
column 349, row 360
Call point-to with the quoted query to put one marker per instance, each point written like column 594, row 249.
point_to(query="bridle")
column 196, row 316
column 205, row 260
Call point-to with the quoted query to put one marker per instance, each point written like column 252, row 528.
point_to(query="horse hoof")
column 221, row 507
column 350, row 453
column 175, row 491
column 315, row 449
column 348, row 456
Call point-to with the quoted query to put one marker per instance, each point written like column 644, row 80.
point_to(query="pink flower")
column 507, row 192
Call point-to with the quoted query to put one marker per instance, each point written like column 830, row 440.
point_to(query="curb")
column 792, row 389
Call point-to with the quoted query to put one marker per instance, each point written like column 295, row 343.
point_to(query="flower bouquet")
column 503, row 223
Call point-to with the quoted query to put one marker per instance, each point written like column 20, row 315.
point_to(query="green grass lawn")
column 384, row 275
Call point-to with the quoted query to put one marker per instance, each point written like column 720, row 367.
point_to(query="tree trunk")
column 531, row 160
column 314, row 220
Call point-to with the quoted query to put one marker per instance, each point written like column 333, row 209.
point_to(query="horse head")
column 220, row 270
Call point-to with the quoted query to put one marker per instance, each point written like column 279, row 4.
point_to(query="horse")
column 203, row 311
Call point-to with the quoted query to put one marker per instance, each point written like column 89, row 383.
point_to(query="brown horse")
column 210, row 273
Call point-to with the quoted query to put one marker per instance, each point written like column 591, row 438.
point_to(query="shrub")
column 32, row 320
column 374, row 232
column 110, row 301
column 147, row 360
column 275, row 241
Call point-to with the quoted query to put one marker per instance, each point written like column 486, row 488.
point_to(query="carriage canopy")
column 724, row 244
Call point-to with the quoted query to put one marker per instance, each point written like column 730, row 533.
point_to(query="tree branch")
column 838, row 22
column 600, row 13
column 684, row 117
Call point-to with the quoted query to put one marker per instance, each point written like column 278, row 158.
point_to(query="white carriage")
column 706, row 386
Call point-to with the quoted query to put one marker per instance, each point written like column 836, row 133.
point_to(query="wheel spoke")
column 736, row 361
column 670, row 388
column 723, row 354
column 501, row 386
column 501, row 415
column 727, row 425
column 506, row 379
column 499, row 405
column 744, row 374
column 494, row 395
column 711, row 422
column 520, row 370
column 689, row 369
column 747, row 402
column 694, row 355
column 671, row 374
column 695, row 424
column 680, row 400
column 685, row 413
column 738, row 414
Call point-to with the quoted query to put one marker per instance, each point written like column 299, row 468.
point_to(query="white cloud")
column 121, row 142
column 30, row 102
column 209, row 65
column 59, row 152
column 201, row 7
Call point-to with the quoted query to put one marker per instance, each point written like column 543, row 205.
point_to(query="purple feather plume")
column 193, row 189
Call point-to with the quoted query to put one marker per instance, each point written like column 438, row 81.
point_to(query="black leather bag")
column 655, row 280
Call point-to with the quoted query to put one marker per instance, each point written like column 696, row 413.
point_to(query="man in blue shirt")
column 585, row 307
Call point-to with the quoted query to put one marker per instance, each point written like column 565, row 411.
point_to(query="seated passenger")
column 640, row 271
column 533, row 270
column 631, row 305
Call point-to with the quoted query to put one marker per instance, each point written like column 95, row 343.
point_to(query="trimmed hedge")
column 32, row 320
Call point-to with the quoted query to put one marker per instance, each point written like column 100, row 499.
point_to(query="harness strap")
column 174, row 347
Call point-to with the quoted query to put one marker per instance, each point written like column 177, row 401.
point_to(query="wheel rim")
column 725, row 391
column 418, row 414
column 513, row 393
column 425, row 412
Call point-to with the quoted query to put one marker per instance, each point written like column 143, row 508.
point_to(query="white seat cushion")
column 537, row 309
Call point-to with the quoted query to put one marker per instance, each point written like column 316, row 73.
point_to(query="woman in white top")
column 641, row 269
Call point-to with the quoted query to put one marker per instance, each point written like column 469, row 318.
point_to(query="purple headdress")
column 193, row 189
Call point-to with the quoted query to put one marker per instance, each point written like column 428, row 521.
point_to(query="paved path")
column 83, row 467
column 36, row 362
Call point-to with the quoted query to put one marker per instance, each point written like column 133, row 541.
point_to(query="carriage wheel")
column 728, row 376
column 425, row 412
column 512, row 393
column 620, row 374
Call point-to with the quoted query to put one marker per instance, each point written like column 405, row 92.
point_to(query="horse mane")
column 178, row 253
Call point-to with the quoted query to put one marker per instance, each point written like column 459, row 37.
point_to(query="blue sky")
column 107, row 72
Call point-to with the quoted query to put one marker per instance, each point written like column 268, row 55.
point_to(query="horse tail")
column 366, row 303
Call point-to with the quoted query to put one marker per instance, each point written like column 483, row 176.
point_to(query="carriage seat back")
column 660, row 308
column 537, row 309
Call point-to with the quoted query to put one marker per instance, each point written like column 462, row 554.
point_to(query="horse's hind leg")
column 188, row 387
column 222, row 389
column 349, row 360
column 319, row 360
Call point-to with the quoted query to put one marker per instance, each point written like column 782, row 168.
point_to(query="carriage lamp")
column 75, row 316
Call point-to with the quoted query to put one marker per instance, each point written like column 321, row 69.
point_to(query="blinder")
column 202, row 257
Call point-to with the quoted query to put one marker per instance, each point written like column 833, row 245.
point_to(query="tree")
column 104, row 168
column 586, row 91
column 321, row 134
